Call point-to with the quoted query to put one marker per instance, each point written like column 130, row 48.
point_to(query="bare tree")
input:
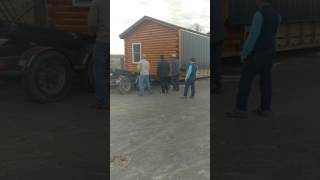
column 197, row 27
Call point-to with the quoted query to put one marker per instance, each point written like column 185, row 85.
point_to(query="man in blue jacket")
column 163, row 75
column 257, row 58
column 190, row 78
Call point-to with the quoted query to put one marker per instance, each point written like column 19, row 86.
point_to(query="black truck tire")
column 49, row 78
column 125, row 85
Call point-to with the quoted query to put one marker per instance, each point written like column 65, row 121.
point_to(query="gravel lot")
column 161, row 137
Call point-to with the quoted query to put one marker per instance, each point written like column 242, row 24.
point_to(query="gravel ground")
column 161, row 137
column 283, row 146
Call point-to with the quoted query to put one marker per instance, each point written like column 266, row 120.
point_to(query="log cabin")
column 154, row 37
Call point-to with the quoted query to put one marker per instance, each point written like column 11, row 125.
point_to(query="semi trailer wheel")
column 124, row 85
column 49, row 78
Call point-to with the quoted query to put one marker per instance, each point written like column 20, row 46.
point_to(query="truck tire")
column 49, row 78
column 124, row 85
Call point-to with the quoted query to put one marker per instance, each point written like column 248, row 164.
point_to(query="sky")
column 185, row 13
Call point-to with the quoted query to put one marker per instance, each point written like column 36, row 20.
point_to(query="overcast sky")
column 184, row 13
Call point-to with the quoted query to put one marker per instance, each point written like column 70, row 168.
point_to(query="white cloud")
column 124, row 13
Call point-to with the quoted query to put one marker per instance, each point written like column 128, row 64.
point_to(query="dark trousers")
column 175, row 82
column 164, row 84
column 257, row 64
column 217, row 52
column 100, row 72
column 188, row 83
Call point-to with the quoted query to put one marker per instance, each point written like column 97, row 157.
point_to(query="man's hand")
column 244, row 56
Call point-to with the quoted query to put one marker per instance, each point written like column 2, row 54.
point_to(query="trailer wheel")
column 49, row 78
column 124, row 85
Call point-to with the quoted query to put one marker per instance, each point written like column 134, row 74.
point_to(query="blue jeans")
column 257, row 64
column 190, row 82
column 142, row 79
column 100, row 72
column 175, row 82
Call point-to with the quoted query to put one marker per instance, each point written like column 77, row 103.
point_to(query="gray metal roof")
column 147, row 18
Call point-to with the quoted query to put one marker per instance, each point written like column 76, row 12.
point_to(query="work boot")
column 237, row 114
column 263, row 113
column 191, row 97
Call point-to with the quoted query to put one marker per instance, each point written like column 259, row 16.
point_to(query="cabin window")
column 136, row 52
column 82, row 2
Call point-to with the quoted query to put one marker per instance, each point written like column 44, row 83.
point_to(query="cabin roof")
column 147, row 18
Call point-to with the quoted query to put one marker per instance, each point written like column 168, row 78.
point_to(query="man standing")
column 144, row 69
column 175, row 72
column 98, row 25
column 190, row 78
column 163, row 75
column 218, row 38
column 257, row 57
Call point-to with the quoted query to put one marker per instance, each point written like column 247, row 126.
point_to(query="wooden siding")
column 64, row 16
column 155, row 40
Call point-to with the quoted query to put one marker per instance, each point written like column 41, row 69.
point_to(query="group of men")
column 163, row 75
column 257, row 57
column 98, row 26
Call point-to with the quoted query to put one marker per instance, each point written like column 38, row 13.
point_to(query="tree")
column 197, row 27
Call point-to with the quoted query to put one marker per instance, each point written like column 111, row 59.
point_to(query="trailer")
column 43, row 43
column 153, row 38
column 300, row 28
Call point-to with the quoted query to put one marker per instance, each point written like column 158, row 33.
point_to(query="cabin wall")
column 155, row 40
column 64, row 15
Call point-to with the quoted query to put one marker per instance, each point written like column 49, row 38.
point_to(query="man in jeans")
column 190, row 79
column 98, row 25
column 175, row 72
column 163, row 75
column 257, row 57
column 144, row 69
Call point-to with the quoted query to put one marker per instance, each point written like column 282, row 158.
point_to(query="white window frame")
column 132, row 52
column 80, row 3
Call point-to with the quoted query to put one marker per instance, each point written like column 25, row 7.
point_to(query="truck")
column 45, row 58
